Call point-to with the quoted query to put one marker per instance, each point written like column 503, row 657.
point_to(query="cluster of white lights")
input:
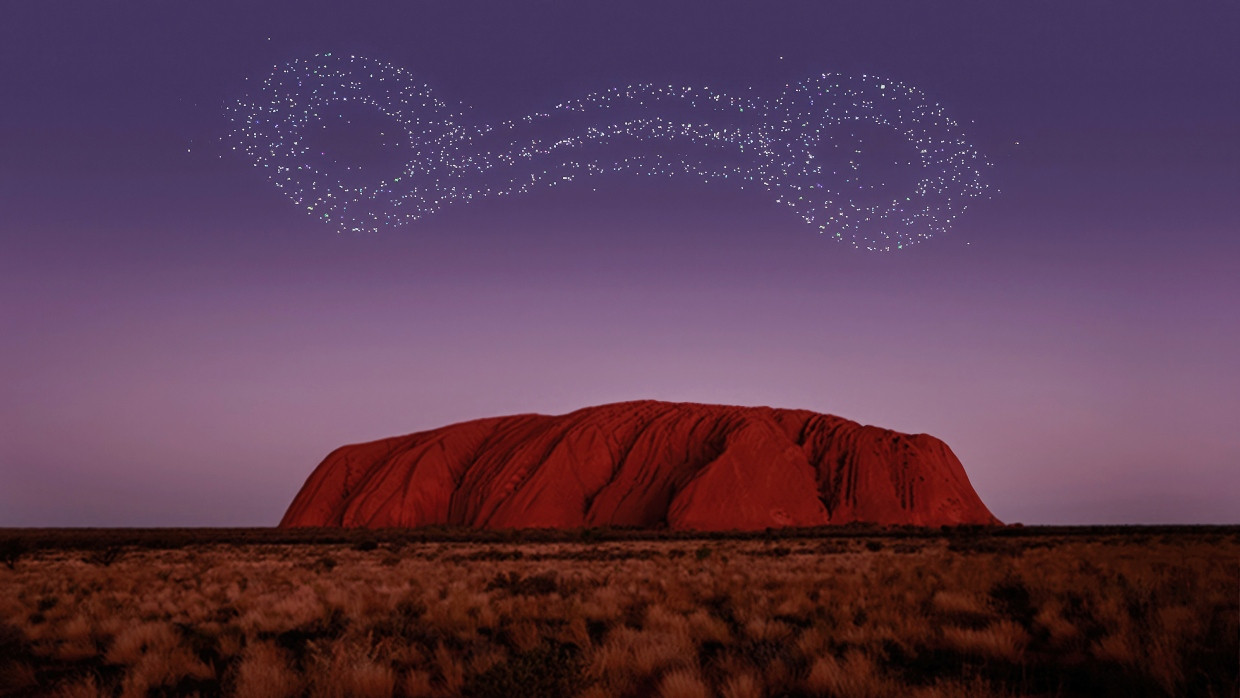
column 792, row 146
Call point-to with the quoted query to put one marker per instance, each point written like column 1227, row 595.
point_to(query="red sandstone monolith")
column 647, row 464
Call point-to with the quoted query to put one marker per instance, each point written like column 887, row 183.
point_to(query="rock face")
column 647, row 464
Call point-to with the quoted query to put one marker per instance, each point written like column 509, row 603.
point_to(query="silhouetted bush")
column 1011, row 599
column 104, row 557
column 11, row 550
column 536, row 585
column 550, row 670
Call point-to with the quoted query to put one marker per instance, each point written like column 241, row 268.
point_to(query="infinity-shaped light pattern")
column 804, row 147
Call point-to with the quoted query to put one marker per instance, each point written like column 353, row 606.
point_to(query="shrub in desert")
column 682, row 683
column 350, row 670
column 264, row 671
column 855, row 676
column 83, row 687
column 135, row 642
column 1003, row 641
column 155, row 658
column 17, row 675
column 550, row 669
column 11, row 550
column 742, row 685
column 417, row 684
column 104, row 556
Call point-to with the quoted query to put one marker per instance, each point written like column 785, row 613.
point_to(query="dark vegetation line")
column 30, row 539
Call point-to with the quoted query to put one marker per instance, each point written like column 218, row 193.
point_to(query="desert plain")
column 595, row 613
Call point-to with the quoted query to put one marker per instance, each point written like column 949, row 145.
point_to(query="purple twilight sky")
column 180, row 344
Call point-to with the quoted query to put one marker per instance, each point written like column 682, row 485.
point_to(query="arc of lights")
column 776, row 145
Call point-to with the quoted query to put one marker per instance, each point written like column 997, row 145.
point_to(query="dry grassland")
column 1100, row 615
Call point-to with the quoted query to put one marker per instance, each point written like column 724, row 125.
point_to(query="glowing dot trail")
column 808, row 147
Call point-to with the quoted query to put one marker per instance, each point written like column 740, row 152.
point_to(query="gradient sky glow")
column 180, row 345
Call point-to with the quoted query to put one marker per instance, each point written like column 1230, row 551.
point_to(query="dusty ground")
column 1051, row 612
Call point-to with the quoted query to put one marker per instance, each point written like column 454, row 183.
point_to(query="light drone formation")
column 806, row 148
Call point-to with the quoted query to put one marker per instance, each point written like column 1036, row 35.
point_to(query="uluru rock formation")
column 646, row 464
